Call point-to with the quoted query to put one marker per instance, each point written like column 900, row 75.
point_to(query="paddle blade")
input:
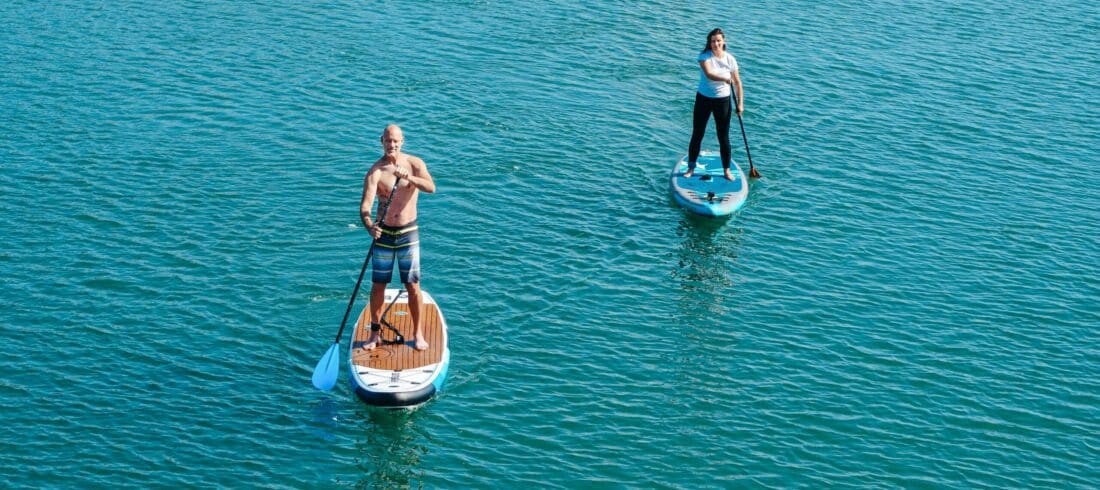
column 328, row 368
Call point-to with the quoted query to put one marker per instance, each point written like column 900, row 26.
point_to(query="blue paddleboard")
column 707, row 192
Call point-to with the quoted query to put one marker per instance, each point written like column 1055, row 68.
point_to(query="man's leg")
column 377, row 300
column 381, row 272
column 409, row 266
column 415, row 303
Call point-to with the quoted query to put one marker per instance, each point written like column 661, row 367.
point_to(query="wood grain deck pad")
column 403, row 356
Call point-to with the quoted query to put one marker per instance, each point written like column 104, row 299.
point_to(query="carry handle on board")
column 328, row 368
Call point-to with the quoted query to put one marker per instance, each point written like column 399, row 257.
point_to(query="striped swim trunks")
column 397, row 244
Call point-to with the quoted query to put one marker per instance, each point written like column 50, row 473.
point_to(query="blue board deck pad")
column 708, row 192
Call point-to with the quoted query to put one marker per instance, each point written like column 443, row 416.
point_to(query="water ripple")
column 909, row 297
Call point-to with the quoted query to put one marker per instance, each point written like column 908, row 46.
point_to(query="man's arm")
column 370, row 188
column 420, row 176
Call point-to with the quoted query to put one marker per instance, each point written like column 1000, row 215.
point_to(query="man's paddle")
column 328, row 368
column 752, row 170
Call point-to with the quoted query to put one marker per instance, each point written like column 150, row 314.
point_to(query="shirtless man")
column 395, row 235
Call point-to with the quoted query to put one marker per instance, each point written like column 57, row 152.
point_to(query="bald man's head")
column 393, row 130
column 392, row 139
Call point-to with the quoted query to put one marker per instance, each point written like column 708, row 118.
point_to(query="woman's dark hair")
column 710, row 35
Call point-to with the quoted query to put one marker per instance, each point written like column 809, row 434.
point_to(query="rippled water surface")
column 910, row 298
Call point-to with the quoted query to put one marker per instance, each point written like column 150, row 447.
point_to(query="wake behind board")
column 397, row 375
column 708, row 192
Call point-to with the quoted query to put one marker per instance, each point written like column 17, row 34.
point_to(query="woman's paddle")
column 328, row 368
column 752, row 170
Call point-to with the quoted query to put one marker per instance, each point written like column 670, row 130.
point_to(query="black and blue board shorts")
column 397, row 244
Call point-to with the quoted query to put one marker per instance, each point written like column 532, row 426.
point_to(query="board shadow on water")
column 325, row 418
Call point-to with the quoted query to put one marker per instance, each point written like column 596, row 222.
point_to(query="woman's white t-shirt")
column 725, row 66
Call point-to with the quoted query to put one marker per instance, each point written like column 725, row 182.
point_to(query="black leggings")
column 704, row 107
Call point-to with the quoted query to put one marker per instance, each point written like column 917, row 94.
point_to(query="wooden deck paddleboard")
column 398, row 375
column 707, row 192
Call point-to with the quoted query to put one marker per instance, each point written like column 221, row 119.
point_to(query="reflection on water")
column 703, row 280
column 391, row 454
column 707, row 256
column 704, row 276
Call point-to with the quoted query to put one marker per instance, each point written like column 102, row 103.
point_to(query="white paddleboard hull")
column 401, row 388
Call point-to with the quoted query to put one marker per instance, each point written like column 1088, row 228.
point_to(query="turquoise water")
column 910, row 297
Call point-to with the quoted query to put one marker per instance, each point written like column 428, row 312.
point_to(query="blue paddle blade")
column 328, row 368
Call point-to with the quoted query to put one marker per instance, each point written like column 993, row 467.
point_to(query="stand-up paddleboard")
column 396, row 375
column 707, row 192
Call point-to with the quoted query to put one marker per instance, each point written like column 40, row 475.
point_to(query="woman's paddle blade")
column 328, row 368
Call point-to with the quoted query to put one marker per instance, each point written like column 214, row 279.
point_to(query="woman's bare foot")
column 729, row 175
column 689, row 174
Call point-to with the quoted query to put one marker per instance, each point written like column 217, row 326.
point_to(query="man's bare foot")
column 729, row 175
column 421, row 343
column 372, row 341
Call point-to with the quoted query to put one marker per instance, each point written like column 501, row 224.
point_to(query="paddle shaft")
column 363, row 271
column 733, row 95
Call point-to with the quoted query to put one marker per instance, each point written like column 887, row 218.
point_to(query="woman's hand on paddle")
column 733, row 86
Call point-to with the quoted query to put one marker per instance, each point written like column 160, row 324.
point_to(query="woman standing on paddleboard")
column 718, row 75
